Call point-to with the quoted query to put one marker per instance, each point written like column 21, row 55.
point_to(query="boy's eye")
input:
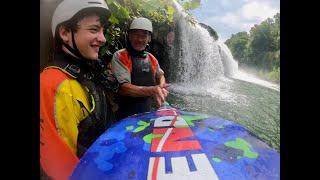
column 94, row 29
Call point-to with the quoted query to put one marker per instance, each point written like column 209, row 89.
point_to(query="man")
column 138, row 72
column 74, row 108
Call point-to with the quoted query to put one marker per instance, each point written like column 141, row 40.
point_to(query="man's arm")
column 162, row 80
column 128, row 89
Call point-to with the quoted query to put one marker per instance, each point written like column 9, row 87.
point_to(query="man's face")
column 139, row 39
column 89, row 37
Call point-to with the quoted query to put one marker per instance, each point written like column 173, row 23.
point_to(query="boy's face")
column 89, row 37
column 139, row 39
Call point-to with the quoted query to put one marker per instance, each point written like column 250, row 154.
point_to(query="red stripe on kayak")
column 155, row 168
column 173, row 121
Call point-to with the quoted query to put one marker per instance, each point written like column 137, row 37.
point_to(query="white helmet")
column 68, row 8
column 141, row 23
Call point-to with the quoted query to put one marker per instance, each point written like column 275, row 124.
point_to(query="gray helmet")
column 141, row 23
column 68, row 8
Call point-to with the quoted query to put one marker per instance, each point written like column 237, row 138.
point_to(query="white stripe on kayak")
column 165, row 136
column 150, row 168
column 163, row 139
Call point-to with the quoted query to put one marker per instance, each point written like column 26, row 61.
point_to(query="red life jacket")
column 143, row 71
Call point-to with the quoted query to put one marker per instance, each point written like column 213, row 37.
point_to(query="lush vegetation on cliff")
column 260, row 48
column 160, row 12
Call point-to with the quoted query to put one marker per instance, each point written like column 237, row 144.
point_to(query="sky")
column 229, row 17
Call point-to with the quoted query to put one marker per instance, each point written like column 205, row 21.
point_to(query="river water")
column 205, row 78
column 254, row 106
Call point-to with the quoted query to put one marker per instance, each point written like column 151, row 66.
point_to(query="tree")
column 160, row 12
column 238, row 45
column 261, row 47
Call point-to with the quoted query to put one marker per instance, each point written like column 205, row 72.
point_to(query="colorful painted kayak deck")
column 169, row 144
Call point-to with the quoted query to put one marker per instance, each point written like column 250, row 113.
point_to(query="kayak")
column 169, row 144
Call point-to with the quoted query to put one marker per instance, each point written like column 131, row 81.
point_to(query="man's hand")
column 160, row 93
column 164, row 89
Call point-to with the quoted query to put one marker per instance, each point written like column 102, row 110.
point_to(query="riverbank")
column 271, row 76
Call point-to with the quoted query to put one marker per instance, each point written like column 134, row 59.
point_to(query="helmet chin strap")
column 74, row 50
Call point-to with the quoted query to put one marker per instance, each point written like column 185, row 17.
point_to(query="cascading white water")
column 223, row 93
column 202, row 60
column 199, row 61
column 230, row 65
column 199, row 65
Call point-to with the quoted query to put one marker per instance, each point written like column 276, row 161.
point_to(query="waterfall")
column 200, row 58
column 200, row 61
column 230, row 65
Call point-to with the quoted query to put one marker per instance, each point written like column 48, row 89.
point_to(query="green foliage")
column 260, row 48
column 189, row 4
column 238, row 44
column 160, row 12
column 113, row 44
column 170, row 12
column 274, row 75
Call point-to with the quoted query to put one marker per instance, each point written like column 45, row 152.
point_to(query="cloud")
column 236, row 16
column 257, row 11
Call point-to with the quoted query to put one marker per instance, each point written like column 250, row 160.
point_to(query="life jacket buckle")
column 75, row 69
